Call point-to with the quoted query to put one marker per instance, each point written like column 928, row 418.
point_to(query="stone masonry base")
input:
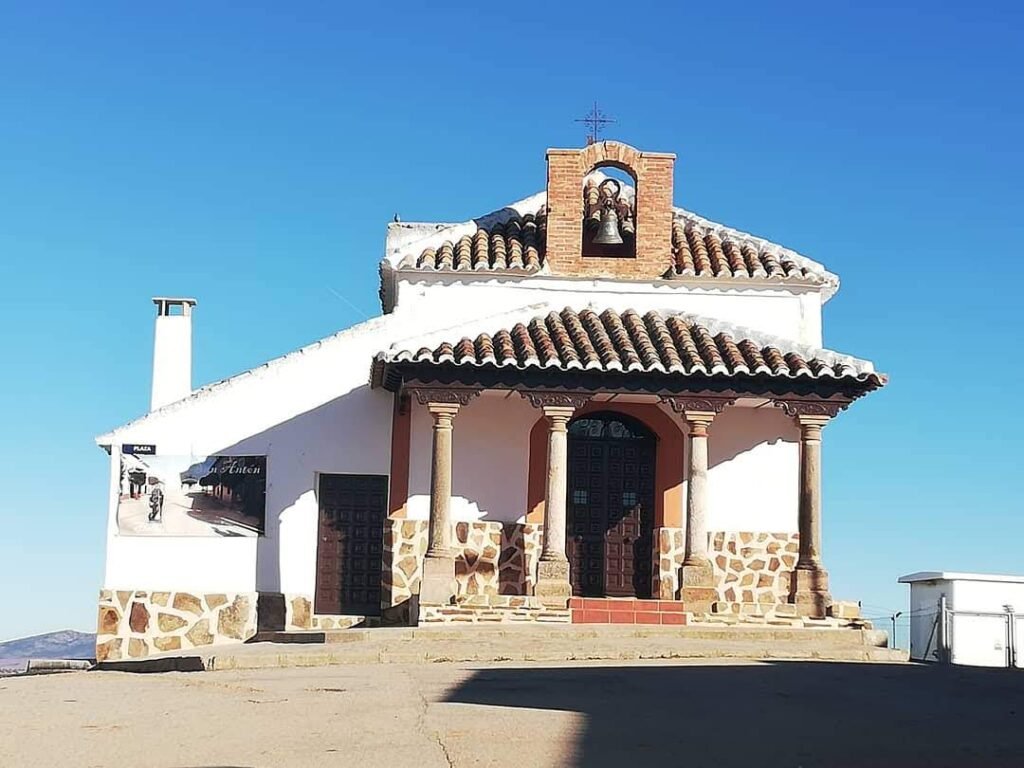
column 496, row 576
column 133, row 624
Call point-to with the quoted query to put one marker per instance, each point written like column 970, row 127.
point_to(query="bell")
column 608, row 231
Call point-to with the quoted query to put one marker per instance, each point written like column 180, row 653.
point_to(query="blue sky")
column 252, row 155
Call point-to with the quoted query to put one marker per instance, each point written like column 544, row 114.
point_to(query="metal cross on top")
column 595, row 120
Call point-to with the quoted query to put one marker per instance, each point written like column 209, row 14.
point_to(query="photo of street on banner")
column 191, row 496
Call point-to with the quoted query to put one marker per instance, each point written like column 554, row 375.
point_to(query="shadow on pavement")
column 774, row 714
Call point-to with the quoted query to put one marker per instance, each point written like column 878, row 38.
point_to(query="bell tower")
column 572, row 250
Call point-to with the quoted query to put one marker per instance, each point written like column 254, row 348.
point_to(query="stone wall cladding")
column 405, row 543
column 132, row 624
column 299, row 616
column 753, row 567
column 298, row 612
column 491, row 558
column 749, row 567
column 668, row 559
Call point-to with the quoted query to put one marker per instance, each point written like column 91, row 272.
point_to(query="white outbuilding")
column 975, row 619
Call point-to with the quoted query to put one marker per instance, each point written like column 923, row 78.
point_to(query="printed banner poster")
column 192, row 496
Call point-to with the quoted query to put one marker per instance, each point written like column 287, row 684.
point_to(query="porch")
column 618, row 495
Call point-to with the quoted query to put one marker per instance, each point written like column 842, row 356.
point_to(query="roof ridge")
column 424, row 253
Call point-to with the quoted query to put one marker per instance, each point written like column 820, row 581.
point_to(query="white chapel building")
column 588, row 406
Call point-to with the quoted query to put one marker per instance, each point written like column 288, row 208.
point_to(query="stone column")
column 553, row 587
column 438, row 586
column 697, row 576
column 809, row 587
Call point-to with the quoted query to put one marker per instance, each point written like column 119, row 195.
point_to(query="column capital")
column 443, row 395
column 556, row 398
column 810, row 426
column 442, row 410
column 558, row 415
column 708, row 406
column 698, row 425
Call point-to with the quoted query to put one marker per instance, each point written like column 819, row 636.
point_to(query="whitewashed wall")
column 309, row 413
column 753, row 471
column 791, row 313
column 490, row 459
column 753, row 465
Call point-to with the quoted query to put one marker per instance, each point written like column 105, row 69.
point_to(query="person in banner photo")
column 156, row 502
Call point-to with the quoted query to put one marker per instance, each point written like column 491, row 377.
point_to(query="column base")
column 697, row 580
column 553, row 588
column 438, row 585
column 270, row 612
column 809, row 592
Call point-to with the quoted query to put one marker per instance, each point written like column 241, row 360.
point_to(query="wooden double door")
column 350, row 544
column 610, row 506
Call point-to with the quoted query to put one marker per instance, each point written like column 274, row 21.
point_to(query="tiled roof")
column 702, row 250
column 516, row 243
column 654, row 342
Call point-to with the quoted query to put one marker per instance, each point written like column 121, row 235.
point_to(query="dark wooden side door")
column 610, row 506
column 353, row 509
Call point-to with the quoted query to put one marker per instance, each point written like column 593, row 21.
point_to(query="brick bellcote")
column 652, row 175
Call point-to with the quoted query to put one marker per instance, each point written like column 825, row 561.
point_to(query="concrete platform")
column 525, row 644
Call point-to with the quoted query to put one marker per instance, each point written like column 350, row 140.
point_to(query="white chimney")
column 172, row 351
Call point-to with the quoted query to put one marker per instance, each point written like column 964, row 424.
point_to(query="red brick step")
column 615, row 610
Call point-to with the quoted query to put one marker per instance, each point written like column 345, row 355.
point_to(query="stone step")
column 502, row 602
column 310, row 636
column 525, row 643
column 474, row 645
column 442, row 615
column 324, row 622
column 754, row 609
column 621, row 632
column 291, row 636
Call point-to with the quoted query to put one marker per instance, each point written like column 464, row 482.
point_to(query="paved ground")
column 191, row 513
column 659, row 714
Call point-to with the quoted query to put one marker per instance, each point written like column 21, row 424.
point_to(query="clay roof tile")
column 659, row 342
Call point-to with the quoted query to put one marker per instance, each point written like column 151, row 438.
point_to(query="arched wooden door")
column 610, row 518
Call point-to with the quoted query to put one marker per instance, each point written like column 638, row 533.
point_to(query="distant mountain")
column 65, row 644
